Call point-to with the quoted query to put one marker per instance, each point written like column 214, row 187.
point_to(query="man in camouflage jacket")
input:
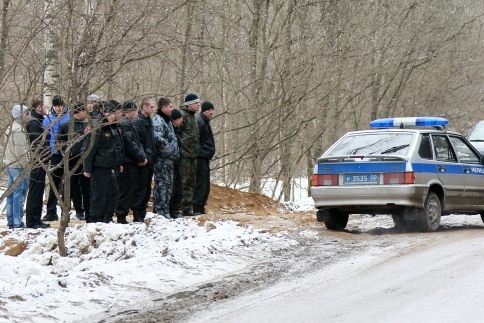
column 166, row 153
column 189, row 140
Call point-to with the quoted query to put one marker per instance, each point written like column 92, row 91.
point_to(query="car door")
column 451, row 172
column 474, row 173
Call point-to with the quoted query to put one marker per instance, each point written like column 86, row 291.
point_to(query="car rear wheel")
column 429, row 216
column 336, row 220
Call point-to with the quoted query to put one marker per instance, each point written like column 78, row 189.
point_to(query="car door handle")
column 441, row 169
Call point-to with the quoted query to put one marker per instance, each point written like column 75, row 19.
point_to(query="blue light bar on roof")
column 409, row 122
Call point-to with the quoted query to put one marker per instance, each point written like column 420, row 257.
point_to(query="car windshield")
column 477, row 134
column 392, row 144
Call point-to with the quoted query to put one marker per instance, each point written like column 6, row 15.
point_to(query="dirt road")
column 370, row 272
column 438, row 280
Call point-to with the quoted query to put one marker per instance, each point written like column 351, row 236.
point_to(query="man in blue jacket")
column 59, row 114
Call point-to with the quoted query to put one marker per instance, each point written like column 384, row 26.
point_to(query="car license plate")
column 353, row 179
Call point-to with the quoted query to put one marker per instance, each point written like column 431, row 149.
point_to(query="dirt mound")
column 228, row 200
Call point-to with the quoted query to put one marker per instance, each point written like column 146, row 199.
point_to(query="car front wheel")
column 429, row 216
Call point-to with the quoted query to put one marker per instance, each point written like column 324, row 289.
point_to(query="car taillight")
column 399, row 178
column 325, row 179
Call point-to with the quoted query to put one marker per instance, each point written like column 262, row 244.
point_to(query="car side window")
column 464, row 152
column 443, row 149
column 425, row 149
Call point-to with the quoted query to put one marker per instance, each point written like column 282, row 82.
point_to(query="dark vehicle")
column 476, row 137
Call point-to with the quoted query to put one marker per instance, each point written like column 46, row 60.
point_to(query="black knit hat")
column 191, row 98
column 78, row 106
column 175, row 114
column 207, row 106
column 129, row 106
column 116, row 104
column 57, row 100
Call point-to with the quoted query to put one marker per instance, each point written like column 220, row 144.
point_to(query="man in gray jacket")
column 16, row 160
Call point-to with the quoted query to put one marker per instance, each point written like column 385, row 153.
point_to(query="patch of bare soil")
column 253, row 209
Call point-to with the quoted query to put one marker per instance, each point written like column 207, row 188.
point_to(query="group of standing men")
column 123, row 148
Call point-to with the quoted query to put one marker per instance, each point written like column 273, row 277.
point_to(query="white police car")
column 415, row 174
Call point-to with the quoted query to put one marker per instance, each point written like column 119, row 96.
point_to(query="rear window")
column 391, row 144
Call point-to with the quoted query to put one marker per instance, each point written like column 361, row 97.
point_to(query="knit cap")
column 175, row 114
column 191, row 98
column 18, row 110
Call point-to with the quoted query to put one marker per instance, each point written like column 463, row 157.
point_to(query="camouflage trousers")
column 188, row 171
column 163, row 174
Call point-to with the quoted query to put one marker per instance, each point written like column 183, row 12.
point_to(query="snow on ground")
column 110, row 266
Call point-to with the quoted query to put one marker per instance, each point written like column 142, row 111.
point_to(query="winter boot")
column 197, row 208
column 121, row 219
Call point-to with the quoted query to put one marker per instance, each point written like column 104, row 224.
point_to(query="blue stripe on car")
column 370, row 167
column 396, row 167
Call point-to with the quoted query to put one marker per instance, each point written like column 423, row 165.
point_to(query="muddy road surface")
column 369, row 272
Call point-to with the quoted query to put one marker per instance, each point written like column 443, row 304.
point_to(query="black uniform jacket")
column 133, row 150
column 207, row 143
column 107, row 151
column 144, row 130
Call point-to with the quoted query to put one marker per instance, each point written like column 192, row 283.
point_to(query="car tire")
column 336, row 220
column 429, row 217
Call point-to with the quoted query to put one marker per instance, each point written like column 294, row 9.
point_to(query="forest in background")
column 287, row 78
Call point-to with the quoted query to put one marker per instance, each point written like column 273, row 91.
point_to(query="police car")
column 411, row 168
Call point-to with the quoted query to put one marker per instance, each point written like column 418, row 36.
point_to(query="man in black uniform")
column 40, row 153
column 100, row 166
column 206, row 152
column 80, row 186
column 133, row 156
column 144, row 129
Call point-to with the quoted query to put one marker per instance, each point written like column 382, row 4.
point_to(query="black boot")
column 136, row 216
column 121, row 219
column 177, row 214
column 197, row 209
column 202, row 209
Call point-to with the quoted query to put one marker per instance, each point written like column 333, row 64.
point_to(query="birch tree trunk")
column 50, row 73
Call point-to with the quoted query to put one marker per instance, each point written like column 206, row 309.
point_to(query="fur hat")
column 108, row 107
column 191, row 98
column 116, row 104
column 57, row 101
column 129, row 106
column 78, row 106
column 207, row 106
column 18, row 110
column 93, row 97
column 176, row 114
